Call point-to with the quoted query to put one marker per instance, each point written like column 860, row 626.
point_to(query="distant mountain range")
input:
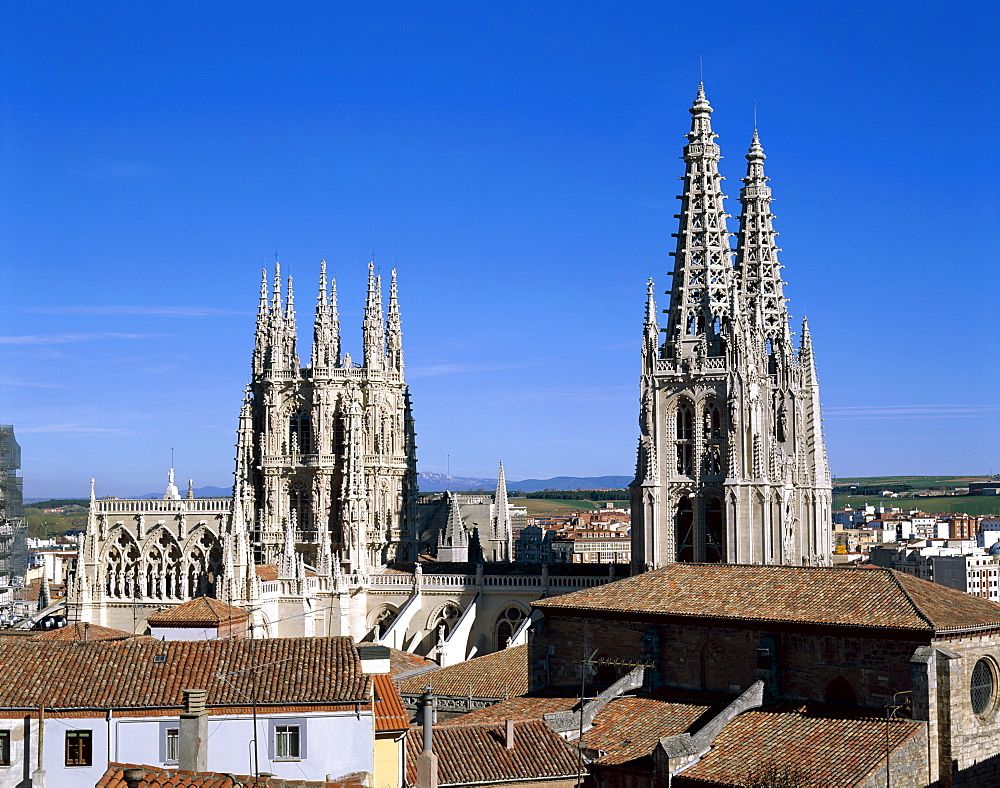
column 439, row 482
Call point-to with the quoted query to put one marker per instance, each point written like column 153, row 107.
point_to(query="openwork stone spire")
column 761, row 287
column 502, row 530
column 702, row 275
column 373, row 329
column 326, row 326
column 394, row 330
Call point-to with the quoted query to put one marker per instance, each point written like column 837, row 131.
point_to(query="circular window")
column 983, row 687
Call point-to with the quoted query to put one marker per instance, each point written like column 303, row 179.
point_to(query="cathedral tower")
column 731, row 465
column 326, row 465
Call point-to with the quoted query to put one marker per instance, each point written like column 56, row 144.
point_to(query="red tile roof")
column 389, row 712
column 202, row 611
column 84, row 632
column 469, row 754
column 158, row 777
column 829, row 750
column 129, row 674
column 501, row 674
column 824, row 596
column 270, row 572
column 626, row 729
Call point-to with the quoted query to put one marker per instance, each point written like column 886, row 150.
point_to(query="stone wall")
column 793, row 664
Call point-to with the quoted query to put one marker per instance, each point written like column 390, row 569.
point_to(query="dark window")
column 684, row 529
column 714, row 532
column 78, row 748
column 286, row 741
column 4, row 748
column 983, row 687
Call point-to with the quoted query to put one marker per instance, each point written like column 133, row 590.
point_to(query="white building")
column 190, row 705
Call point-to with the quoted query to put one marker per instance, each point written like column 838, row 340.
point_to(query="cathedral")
column 324, row 529
column 731, row 463
column 326, row 534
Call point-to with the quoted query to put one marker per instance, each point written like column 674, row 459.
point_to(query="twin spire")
column 276, row 327
column 711, row 292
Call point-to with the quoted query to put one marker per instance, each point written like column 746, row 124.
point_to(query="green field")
column 917, row 482
column 556, row 506
column 968, row 504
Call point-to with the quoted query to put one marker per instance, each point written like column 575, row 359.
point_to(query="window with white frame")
column 287, row 742
column 171, row 745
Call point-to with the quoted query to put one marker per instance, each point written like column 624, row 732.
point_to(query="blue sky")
column 517, row 162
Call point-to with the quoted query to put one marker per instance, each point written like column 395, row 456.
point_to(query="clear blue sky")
column 517, row 162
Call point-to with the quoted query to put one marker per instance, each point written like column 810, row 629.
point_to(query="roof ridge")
column 894, row 574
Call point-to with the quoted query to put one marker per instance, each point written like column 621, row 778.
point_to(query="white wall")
column 332, row 743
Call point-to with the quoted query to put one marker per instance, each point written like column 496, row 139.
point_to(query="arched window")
column 383, row 621
column 715, row 552
column 507, row 624
column 983, row 688
column 684, row 529
column 712, row 421
column 300, row 431
column 685, row 438
column 300, row 503
column 446, row 618
column 840, row 692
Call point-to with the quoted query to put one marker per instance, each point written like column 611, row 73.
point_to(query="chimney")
column 508, row 730
column 133, row 777
column 193, row 732
column 427, row 772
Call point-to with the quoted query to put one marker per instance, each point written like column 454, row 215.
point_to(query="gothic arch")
column 840, row 692
column 380, row 619
column 120, row 564
column 507, row 622
column 446, row 614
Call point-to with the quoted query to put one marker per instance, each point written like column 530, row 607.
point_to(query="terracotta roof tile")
column 501, row 674
column 829, row 750
column 126, row 674
column 201, row 611
column 84, row 632
column 157, row 777
column 825, row 596
column 389, row 712
column 628, row 728
column 477, row 753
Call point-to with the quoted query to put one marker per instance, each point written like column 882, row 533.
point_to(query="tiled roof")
column 270, row 572
column 202, row 611
column 514, row 568
column 626, row 729
column 129, row 674
column 869, row 597
column 389, row 712
column 157, row 777
column 402, row 661
column 83, row 632
column 829, row 750
column 30, row 592
column 501, row 674
column 469, row 754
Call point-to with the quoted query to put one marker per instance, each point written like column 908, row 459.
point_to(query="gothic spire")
column 393, row 330
column 373, row 328
column 814, row 443
column 326, row 331
column 761, row 288
column 700, row 303
column 455, row 534
column 502, row 531
column 651, row 329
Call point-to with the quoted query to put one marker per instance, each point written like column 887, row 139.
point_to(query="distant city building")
column 13, row 551
column 731, row 465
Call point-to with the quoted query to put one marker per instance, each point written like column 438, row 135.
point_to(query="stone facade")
column 731, row 464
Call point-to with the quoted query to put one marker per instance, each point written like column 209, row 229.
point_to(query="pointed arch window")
column 715, row 552
column 300, row 430
column 507, row 624
column 300, row 506
column 684, row 529
column 685, row 438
